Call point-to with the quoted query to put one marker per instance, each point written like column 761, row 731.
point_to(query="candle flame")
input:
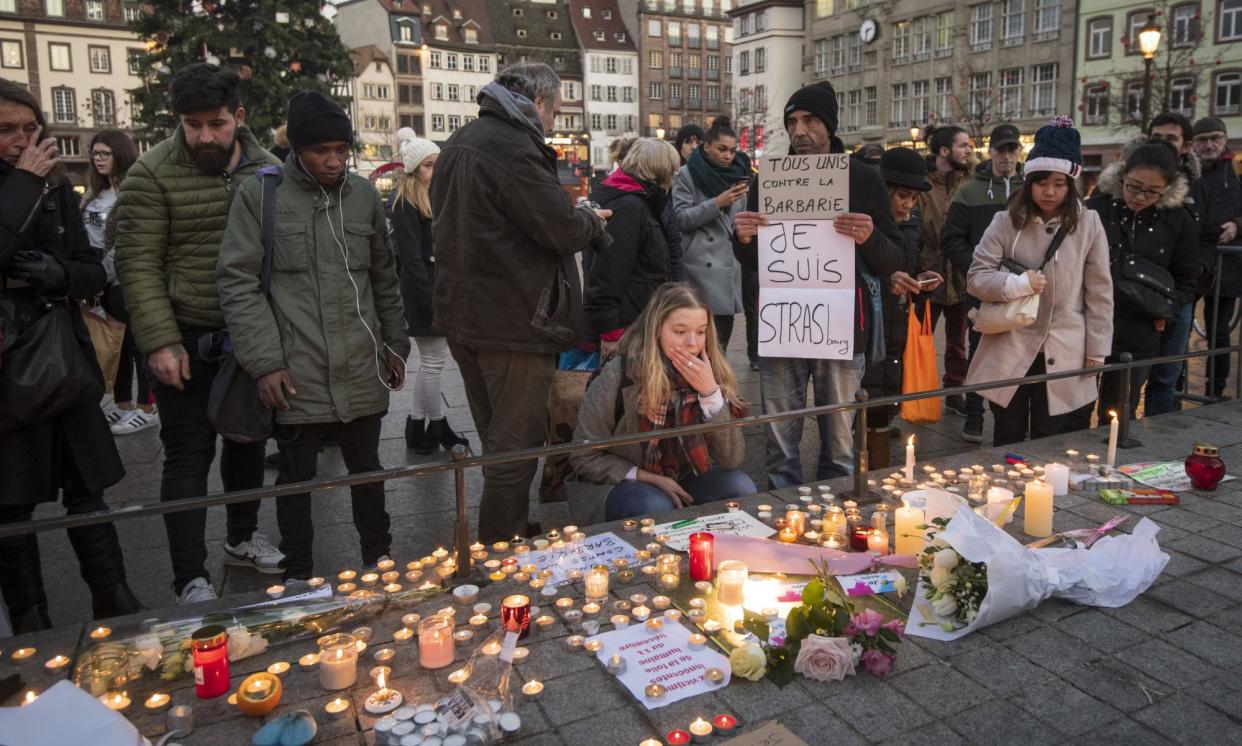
column 1112, row 414
column 910, row 442
column 30, row 697
column 380, row 680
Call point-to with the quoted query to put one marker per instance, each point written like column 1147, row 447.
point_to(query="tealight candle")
column 478, row 620
column 661, row 602
column 390, row 577
column 23, row 655
column 346, row 576
column 345, row 588
column 336, row 709
column 315, row 582
column 309, row 662
column 279, row 668
column 787, row 535
column 590, row 608
column 116, row 701
column 101, row 633
column 532, row 689
column 574, row 641
column 56, row 663
column 383, row 655
column 620, row 621
column 392, row 588
column 698, row 641
column 713, row 676
column 676, row 737
column 157, row 702
column 616, row 665
column 673, row 615
column 654, row 624
column 592, row 646
column 655, row 692
column 463, row 635
column 701, row 730
column 410, row 621
column 724, row 724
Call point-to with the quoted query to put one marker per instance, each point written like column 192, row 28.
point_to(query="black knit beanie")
column 686, row 132
column 818, row 98
column 315, row 118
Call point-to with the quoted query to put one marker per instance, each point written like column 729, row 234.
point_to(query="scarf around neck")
column 712, row 179
column 519, row 108
column 664, row 455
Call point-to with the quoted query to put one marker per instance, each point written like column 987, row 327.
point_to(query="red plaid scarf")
column 663, row 455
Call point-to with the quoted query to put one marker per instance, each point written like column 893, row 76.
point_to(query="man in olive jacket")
column 508, row 295
column 171, row 213
column 335, row 309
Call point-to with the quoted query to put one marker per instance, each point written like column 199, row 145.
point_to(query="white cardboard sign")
column 806, row 187
column 662, row 657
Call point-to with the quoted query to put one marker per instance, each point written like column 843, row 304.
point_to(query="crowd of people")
column 213, row 250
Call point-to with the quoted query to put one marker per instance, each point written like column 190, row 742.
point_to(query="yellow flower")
column 748, row 661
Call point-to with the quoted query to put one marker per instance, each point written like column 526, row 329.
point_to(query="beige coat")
column 1075, row 320
column 597, row 472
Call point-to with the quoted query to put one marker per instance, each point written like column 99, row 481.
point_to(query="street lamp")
column 914, row 135
column 660, row 132
column 1149, row 42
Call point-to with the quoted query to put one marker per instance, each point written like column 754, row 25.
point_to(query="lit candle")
column 697, row 641
column 676, row 737
column 724, row 724
column 23, row 655
column 275, row 591
column 157, row 702
column 391, row 576
column 910, row 458
column 346, row 588
column 101, row 633
column 596, row 585
column 315, row 582
column 731, row 582
column 56, row 663
column 279, row 668
column 338, row 661
column 458, row 676
column 877, row 542
column 1112, row 439
column 116, row 701
column 592, row 646
column 1058, row 476
column 787, row 535
column 336, row 709
column 796, row 521
column 701, row 730
column 346, row 576
column 30, row 697
column 309, row 662
column 616, row 665
column 532, row 689
column 702, row 545
column 435, row 642
column 440, row 554
column 1038, row 511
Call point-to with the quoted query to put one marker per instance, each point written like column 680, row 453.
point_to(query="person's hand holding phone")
column 901, row 283
column 732, row 194
column 39, row 158
column 929, row 281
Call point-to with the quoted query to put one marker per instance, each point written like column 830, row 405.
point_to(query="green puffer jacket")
column 311, row 326
column 170, row 218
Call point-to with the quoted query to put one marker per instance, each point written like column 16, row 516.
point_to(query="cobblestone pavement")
column 1165, row 668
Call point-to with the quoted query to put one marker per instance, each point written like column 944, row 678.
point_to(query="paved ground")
column 1166, row 668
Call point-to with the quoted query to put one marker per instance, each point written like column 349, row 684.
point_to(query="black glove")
column 43, row 271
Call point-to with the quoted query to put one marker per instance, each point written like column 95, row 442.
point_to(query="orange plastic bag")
column 918, row 369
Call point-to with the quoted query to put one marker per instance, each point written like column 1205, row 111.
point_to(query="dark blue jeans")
column 1162, row 381
column 633, row 498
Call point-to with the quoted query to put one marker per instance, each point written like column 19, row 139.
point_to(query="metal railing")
column 460, row 460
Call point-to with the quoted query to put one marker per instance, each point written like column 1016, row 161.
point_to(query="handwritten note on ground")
column 662, row 657
column 601, row 549
column 1162, row 475
column 740, row 523
column 804, row 187
column 770, row 733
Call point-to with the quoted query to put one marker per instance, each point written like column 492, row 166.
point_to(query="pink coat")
column 1075, row 320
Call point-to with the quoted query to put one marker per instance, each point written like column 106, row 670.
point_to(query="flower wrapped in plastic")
column 150, row 652
column 973, row 574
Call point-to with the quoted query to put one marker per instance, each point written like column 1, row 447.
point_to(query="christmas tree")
column 278, row 48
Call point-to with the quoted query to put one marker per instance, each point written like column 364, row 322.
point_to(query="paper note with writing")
column 740, row 523
column 869, row 584
column 805, row 254
column 1162, row 475
column 662, row 657
column 770, row 733
column 809, row 187
column 800, row 323
column 600, row 549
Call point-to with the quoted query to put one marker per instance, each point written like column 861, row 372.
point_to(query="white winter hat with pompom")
column 415, row 151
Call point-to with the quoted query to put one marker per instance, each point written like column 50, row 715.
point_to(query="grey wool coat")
column 597, row 472
column 1075, row 320
column 707, row 245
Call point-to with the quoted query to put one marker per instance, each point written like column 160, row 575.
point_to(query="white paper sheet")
column 1162, row 475
column 662, row 657
column 600, row 549
column 739, row 523
column 44, row 721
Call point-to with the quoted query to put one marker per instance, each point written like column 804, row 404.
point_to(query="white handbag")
column 998, row 317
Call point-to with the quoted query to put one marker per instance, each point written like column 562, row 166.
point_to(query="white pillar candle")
column 1112, row 440
column 908, row 538
column 1038, row 509
column 910, row 458
column 338, row 662
column 731, row 582
column 1058, row 476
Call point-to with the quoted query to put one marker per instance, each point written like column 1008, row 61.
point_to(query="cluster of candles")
column 699, row 731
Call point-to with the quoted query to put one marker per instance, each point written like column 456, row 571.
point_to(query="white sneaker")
column 258, row 553
column 135, row 421
column 114, row 414
column 196, row 591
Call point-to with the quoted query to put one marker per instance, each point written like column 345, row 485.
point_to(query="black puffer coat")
column 1166, row 233
column 34, row 460
column 412, row 242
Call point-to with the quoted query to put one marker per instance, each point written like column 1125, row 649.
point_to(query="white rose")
column 941, row 577
column 748, row 661
column 946, row 558
column 944, row 606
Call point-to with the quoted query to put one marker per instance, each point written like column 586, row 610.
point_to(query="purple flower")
column 895, row 626
column 867, row 621
column 877, row 663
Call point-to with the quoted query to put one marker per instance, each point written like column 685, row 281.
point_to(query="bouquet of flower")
column 826, row 637
column 973, row 574
column 164, row 646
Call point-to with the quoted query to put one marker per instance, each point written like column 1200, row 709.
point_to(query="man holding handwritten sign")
column 820, row 268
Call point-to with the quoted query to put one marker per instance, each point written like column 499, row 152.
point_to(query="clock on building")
column 867, row 30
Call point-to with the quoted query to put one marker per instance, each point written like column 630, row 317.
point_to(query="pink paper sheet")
column 764, row 555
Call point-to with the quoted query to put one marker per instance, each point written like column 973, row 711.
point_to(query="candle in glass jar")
column 596, row 583
column 859, row 535
column 787, row 535
column 795, row 520
column 338, row 661
column 435, row 642
column 515, row 615
column 209, row 646
column 702, row 546
column 731, row 582
column 877, row 542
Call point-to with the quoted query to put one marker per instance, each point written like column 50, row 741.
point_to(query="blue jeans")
column 1162, row 382
column 782, row 385
column 633, row 498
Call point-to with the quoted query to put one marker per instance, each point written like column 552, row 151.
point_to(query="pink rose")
column 896, row 626
column 825, row 658
column 877, row 663
column 867, row 621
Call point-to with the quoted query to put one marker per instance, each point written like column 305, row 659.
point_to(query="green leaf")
column 813, row 593
column 822, row 618
column 780, row 666
column 888, row 634
column 797, row 626
column 756, row 625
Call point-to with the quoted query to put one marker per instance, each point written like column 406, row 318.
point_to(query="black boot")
column 103, row 568
column 440, row 432
column 416, row 437
column 21, row 582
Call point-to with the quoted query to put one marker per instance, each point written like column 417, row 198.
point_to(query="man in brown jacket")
column 951, row 157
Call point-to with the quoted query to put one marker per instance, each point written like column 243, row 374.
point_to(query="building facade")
column 1197, row 69
column 768, row 38
column 900, row 66
column 610, row 75
column 685, row 64
column 395, row 28
column 373, row 108
column 79, row 60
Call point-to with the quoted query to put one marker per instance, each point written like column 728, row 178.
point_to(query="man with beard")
column 811, row 122
column 171, row 214
column 950, row 160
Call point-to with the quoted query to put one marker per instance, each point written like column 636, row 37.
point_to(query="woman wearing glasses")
column 1153, row 242
column 112, row 153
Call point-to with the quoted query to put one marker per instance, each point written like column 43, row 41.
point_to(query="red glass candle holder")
column 702, row 546
column 211, row 661
column 1204, row 467
column 858, row 538
column 515, row 615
